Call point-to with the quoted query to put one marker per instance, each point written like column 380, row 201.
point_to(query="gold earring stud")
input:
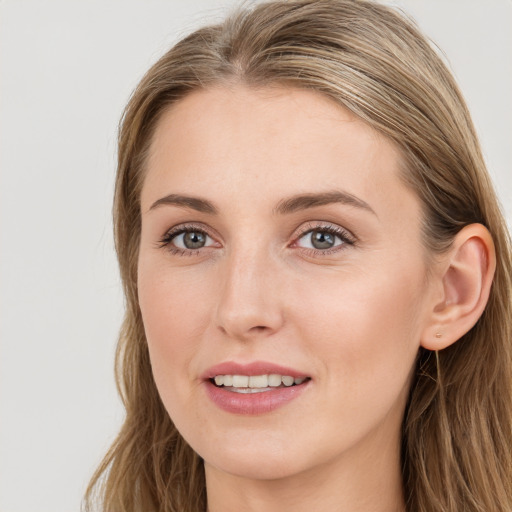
column 438, row 335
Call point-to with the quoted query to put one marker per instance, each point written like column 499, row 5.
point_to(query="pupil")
column 322, row 240
column 194, row 240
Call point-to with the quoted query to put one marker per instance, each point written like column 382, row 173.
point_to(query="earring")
column 438, row 335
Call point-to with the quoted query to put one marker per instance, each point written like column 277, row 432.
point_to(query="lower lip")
column 253, row 403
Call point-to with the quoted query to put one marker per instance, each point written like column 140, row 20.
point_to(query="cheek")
column 365, row 330
column 175, row 314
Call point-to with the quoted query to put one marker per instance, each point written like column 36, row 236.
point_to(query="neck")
column 364, row 480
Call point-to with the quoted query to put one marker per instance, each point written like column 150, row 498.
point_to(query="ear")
column 464, row 276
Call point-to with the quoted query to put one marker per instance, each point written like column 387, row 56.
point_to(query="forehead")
column 247, row 120
column 241, row 141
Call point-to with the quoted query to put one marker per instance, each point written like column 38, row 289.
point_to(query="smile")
column 255, row 388
column 256, row 383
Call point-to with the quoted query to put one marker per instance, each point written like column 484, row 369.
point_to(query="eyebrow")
column 284, row 207
column 194, row 203
column 305, row 201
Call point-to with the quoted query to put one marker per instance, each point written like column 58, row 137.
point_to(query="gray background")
column 67, row 68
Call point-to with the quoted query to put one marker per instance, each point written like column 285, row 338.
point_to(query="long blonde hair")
column 457, row 431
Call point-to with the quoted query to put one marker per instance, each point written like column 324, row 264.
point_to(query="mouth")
column 256, row 383
column 255, row 388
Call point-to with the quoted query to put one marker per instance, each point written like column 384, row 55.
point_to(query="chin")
column 272, row 468
column 263, row 459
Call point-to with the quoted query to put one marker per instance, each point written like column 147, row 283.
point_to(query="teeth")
column 274, row 380
column 257, row 381
column 240, row 381
column 287, row 381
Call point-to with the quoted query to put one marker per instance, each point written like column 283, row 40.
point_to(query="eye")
column 320, row 240
column 191, row 240
column 184, row 239
column 325, row 239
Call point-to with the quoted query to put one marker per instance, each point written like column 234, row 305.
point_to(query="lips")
column 255, row 388
column 251, row 369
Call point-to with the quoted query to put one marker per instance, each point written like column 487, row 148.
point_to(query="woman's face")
column 277, row 239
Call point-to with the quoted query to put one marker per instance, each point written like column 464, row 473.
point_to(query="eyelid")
column 325, row 225
column 346, row 236
column 166, row 239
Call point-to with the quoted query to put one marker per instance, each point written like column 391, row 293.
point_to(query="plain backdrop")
column 67, row 68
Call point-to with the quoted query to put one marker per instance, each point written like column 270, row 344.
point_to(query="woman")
column 317, row 276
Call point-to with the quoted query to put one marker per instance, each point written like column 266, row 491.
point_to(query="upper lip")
column 254, row 368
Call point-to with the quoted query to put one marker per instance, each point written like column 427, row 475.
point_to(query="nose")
column 249, row 304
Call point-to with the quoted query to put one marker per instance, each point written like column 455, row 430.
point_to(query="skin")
column 351, row 317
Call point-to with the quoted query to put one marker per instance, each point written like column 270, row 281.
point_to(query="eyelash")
column 166, row 240
column 344, row 235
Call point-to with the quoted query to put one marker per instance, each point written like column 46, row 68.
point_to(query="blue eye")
column 191, row 240
column 321, row 240
column 324, row 238
column 186, row 239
